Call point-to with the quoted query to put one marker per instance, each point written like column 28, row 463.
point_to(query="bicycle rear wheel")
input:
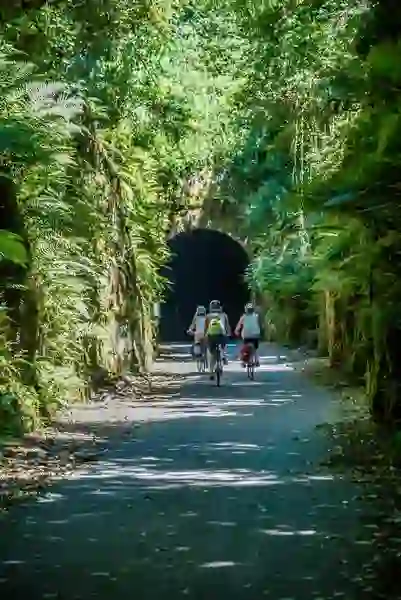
column 218, row 375
column 251, row 370
column 250, row 367
column 204, row 359
column 218, row 368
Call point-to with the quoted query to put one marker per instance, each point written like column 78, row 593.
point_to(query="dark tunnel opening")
column 205, row 265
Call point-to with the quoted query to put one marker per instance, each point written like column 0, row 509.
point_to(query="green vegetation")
column 317, row 181
column 119, row 120
column 112, row 116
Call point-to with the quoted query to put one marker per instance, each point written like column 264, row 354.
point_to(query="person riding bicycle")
column 250, row 328
column 217, row 328
column 198, row 326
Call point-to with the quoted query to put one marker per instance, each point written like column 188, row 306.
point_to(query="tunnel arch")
column 205, row 265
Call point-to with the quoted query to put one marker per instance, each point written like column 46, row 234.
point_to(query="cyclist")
column 249, row 326
column 217, row 328
column 198, row 326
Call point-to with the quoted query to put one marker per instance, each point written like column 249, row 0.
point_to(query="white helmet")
column 249, row 307
column 215, row 306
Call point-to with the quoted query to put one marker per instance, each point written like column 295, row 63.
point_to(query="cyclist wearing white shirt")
column 197, row 327
column 250, row 328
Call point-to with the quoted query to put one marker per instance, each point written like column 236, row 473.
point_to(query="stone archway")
column 206, row 264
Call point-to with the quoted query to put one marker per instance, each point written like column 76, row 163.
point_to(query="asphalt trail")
column 213, row 492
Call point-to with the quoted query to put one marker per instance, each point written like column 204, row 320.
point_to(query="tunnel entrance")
column 205, row 265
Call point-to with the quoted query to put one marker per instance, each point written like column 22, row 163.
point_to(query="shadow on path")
column 207, row 493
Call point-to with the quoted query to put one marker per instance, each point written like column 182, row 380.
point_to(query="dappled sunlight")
column 285, row 532
column 196, row 478
column 192, row 404
column 323, row 477
column 218, row 565
column 102, row 492
column 173, row 352
column 218, row 404
column 236, row 394
column 50, row 497
column 239, row 404
column 199, row 398
column 181, row 360
column 150, row 458
column 203, row 447
column 188, row 403
column 275, row 368
column 264, row 367
column 254, row 383
column 152, row 478
column 59, row 521
column 210, row 481
column 270, row 358
column 205, row 497
column 184, row 356
column 232, row 446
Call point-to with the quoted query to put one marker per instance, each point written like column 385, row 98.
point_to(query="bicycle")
column 218, row 367
column 201, row 360
column 250, row 365
column 216, row 356
column 249, row 362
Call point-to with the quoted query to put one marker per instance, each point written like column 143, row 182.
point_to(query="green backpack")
column 215, row 327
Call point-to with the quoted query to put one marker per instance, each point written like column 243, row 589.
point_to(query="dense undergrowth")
column 315, row 186
column 110, row 113
column 121, row 120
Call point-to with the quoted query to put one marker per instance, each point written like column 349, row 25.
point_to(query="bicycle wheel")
column 218, row 368
column 251, row 369
column 218, row 375
column 204, row 363
column 204, row 358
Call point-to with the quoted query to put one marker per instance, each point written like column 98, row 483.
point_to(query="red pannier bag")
column 245, row 353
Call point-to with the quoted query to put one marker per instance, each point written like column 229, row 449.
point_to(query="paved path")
column 217, row 493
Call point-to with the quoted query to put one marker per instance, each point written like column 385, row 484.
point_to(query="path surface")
column 217, row 493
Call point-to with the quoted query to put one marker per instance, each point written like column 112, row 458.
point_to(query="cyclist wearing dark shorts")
column 217, row 330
